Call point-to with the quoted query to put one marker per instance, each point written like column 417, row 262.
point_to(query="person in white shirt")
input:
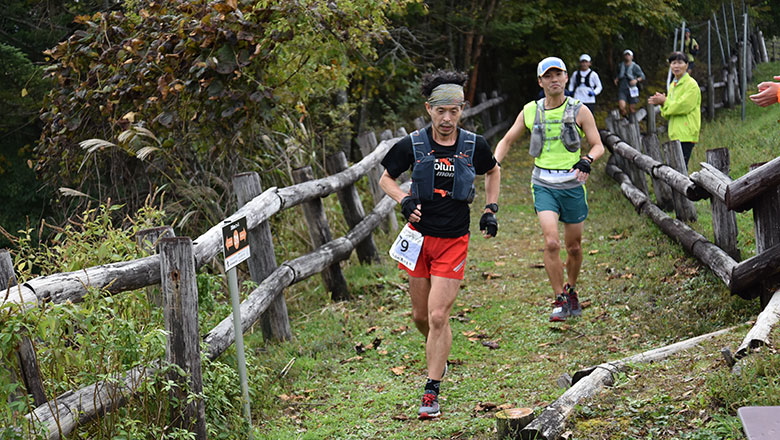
column 585, row 83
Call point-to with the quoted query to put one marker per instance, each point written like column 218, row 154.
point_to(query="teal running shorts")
column 570, row 204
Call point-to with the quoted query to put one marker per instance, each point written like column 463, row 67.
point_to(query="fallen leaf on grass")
column 400, row 417
column 617, row 236
column 485, row 406
column 585, row 304
column 536, row 265
column 490, row 275
column 504, row 406
column 400, row 329
column 371, row 330
column 354, row 358
column 500, row 263
column 399, row 370
column 593, row 252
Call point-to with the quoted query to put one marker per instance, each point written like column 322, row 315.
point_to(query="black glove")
column 408, row 205
column 489, row 222
column 583, row 165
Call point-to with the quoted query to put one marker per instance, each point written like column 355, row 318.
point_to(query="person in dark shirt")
column 444, row 161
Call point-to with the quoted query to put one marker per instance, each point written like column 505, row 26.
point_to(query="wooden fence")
column 722, row 87
column 177, row 261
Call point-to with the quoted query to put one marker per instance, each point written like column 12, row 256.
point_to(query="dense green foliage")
column 189, row 93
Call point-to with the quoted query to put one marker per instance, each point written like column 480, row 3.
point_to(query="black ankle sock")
column 433, row 385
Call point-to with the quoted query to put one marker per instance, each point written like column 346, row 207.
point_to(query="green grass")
column 643, row 292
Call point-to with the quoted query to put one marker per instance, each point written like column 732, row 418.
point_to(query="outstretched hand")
column 767, row 93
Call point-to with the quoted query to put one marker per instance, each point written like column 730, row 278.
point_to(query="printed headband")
column 446, row 94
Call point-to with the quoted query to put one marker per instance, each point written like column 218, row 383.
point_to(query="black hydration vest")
column 579, row 80
column 423, row 172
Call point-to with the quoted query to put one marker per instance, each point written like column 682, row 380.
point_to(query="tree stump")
column 509, row 422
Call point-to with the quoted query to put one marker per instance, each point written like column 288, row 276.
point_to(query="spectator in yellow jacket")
column 768, row 93
column 682, row 108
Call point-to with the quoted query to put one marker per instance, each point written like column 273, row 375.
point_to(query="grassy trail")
column 642, row 290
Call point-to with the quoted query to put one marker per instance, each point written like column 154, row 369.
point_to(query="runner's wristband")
column 493, row 207
column 590, row 158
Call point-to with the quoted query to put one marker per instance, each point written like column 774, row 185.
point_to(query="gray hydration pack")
column 570, row 136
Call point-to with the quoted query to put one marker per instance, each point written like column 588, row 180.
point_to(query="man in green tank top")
column 561, row 168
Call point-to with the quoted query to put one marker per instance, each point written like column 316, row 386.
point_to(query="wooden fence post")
column 319, row 231
column 275, row 321
column 766, row 219
column 486, row 119
column 352, row 208
column 367, row 142
column 147, row 240
column 25, row 353
column 724, row 221
column 650, row 122
column 180, row 293
column 684, row 208
column 625, row 129
column 663, row 192
column 731, row 82
column 612, row 122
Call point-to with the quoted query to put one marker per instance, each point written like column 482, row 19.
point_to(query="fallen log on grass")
column 589, row 381
column 759, row 334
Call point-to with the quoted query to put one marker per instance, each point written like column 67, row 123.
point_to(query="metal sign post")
column 235, row 245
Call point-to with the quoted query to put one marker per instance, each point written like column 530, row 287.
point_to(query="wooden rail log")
column 754, row 270
column 551, row 422
column 712, row 180
column 676, row 180
column 142, row 272
column 62, row 415
column 741, row 192
column 693, row 242
column 759, row 333
column 589, row 381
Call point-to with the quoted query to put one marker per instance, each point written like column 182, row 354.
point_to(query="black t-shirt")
column 442, row 216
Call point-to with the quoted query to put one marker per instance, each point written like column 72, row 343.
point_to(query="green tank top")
column 554, row 154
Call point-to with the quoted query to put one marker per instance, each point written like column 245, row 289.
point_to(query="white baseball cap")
column 585, row 57
column 628, row 51
column 550, row 63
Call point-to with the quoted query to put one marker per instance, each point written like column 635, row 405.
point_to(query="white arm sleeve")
column 595, row 82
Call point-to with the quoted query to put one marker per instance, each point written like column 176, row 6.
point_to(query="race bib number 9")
column 633, row 91
column 407, row 246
